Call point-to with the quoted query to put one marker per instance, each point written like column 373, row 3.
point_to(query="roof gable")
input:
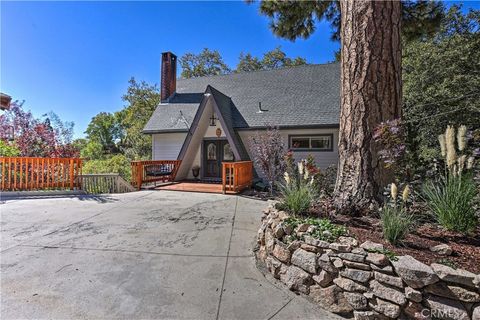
column 222, row 107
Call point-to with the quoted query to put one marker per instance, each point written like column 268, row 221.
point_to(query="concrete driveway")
column 149, row 254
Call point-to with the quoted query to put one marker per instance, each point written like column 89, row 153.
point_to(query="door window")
column 227, row 152
column 211, row 151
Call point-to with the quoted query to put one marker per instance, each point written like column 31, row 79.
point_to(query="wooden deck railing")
column 105, row 183
column 237, row 176
column 27, row 173
column 153, row 171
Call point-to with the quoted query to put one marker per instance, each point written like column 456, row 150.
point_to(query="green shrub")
column 447, row 262
column 114, row 164
column 451, row 200
column 324, row 228
column 299, row 190
column 8, row 150
column 297, row 200
column 396, row 224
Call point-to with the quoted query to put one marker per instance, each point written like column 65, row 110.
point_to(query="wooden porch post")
column 224, row 178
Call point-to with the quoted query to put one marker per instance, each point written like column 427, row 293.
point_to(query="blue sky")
column 75, row 58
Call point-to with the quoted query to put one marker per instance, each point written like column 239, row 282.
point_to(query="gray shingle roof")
column 297, row 96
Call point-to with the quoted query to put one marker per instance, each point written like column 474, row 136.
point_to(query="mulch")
column 466, row 249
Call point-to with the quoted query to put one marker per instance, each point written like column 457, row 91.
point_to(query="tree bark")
column 371, row 92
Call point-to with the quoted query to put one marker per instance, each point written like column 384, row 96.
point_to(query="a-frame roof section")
column 222, row 106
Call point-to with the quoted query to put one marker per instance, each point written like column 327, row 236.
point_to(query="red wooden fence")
column 27, row 173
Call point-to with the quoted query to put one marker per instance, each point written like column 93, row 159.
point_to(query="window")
column 322, row 142
column 212, row 151
column 227, row 153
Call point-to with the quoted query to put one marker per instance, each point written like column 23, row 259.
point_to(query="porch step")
column 194, row 187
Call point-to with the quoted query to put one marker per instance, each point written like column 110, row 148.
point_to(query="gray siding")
column 166, row 146
column 322, row 158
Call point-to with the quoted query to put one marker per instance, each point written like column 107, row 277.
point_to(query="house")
column 205, row 121
column 5, row 100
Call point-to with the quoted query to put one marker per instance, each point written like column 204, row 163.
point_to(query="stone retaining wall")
column 352, row 279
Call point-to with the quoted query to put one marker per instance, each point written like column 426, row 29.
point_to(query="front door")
column 214, row 153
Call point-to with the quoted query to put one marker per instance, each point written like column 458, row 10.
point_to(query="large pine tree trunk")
column 371, row 93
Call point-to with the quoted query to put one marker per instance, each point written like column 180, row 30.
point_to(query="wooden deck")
column 193, row 187
column 236, row 176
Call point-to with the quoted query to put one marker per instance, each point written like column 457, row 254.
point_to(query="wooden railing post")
column 3, row 163
column 139, row 175
column 72, row 178
column 224, row 177
column 79, row 174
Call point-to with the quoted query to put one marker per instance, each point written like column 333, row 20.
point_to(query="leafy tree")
column 141, row 100
column 104, row 130
column 273, row 59
column 370, row 92
column 441, row 81
column 48, row 137
column 113, row 140
column 206, row 63
column 63, row 129
column 247, row 63
column 278, row 59
column 294, row 19
column 92, row 150
column 79, row 143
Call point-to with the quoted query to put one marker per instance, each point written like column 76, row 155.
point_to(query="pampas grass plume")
column 450, row 146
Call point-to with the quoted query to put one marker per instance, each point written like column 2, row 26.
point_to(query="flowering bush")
column 268, row 153
column 396, row 154
column 390, row 135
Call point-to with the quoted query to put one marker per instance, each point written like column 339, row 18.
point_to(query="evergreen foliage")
column 441, row 81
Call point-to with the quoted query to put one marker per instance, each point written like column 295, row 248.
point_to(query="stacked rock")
column 349, row 278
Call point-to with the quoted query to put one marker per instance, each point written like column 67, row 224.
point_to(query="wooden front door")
column 214, row 153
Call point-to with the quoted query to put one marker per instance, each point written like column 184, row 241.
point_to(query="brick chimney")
column 168, row 75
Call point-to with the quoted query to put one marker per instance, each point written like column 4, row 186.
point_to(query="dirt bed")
column 466, row 249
